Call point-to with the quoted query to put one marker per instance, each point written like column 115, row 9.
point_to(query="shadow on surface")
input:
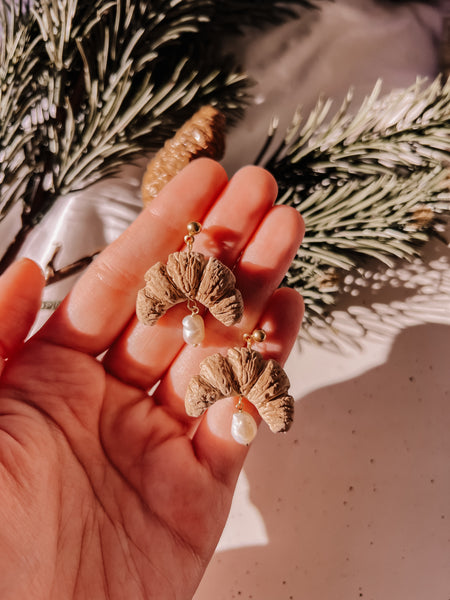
column 379, row 302
column 355, row 497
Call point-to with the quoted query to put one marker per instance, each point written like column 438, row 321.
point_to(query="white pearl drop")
column 243, row 428
column 193, row 330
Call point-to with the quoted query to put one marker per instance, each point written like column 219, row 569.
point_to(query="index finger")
column 103, row 300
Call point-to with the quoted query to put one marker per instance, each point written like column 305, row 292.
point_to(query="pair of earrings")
column 191, row 277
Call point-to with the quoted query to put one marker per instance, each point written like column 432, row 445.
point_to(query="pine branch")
column 97, row 83
column 109, row 81
column 406, row 131
column 370, row 185
column 19, row 65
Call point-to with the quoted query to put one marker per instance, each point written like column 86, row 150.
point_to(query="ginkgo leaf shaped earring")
column 192, row 277
column 246, row 374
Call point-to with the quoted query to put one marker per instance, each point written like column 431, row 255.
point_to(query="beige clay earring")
column 190, row 276
column 246, row 374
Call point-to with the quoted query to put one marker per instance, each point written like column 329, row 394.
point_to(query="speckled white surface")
column 354, row 501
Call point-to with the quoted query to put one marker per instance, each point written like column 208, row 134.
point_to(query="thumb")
column 20, row 299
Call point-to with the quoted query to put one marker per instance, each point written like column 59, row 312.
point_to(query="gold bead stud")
column 193, row 228
column 259, row 335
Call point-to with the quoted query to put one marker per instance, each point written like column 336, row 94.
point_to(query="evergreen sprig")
column 404, row 132
column 19, row 67
column 87, row 85
column 373, row 184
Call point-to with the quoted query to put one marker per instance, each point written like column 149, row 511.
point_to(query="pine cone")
column 202, row 135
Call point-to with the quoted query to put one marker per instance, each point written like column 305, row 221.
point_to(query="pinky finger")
column 20, row 299
column 213, row 443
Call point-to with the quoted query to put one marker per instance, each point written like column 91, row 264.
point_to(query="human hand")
column 107, row 492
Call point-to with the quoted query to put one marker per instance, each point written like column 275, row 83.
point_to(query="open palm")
column 106, row 490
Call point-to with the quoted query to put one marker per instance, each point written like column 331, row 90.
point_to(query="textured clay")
column 190, row 275
column 243, row 372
